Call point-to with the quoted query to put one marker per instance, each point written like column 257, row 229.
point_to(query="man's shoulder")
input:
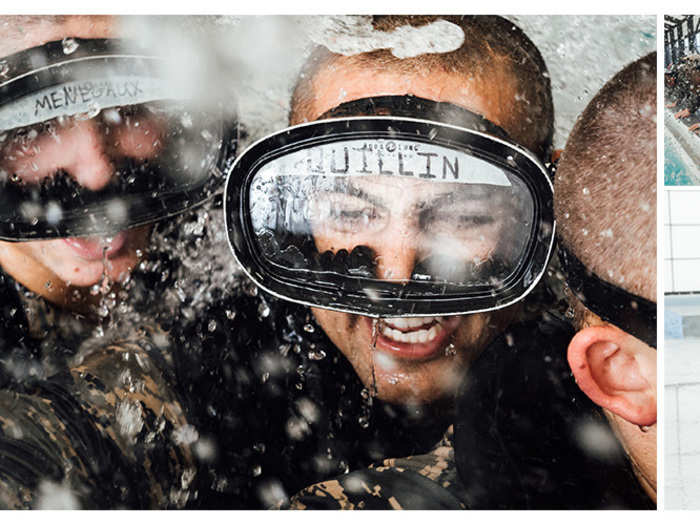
column 421, row 482
column 109, row 429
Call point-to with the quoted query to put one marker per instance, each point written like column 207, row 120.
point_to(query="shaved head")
column 605, row 185
column 497, row 63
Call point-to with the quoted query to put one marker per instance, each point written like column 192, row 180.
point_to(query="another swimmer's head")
column 605, row 206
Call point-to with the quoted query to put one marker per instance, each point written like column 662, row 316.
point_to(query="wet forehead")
column 342, row 82
column 18, row 33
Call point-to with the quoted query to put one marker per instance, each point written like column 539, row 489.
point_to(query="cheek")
column 471, row 331
column 344, row 331
column 334, row 324
column 140, row 140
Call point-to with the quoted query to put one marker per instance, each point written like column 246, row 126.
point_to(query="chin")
column 419, row 384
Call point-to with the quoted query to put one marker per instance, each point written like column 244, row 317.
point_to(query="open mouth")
column 95, row 248
column 411, row 329
column 414, row 337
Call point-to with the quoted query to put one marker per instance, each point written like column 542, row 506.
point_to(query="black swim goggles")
column 95, row 138
column 632, row 313
column 392, row 206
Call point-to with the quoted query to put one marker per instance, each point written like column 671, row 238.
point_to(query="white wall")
column 681, row 239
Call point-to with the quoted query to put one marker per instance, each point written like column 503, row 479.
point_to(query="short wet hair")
column 605, row 185
column 493, row 47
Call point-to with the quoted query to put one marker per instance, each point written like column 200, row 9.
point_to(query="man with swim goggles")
column 96, row 145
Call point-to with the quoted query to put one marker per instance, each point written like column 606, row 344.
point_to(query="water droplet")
column 69, row 45
column 250, row 289
column 263, row 310
column 257, row 470
column 186, row 120
column 363, row 421
column 54, row 213
column 308, row 327
column 212, row 325
column 586, row 191
column 510, row 160
column 112, row 117
column 265, row 377
column 316, row 355
column 230, row 315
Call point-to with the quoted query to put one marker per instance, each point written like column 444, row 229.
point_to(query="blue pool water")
column 675, row 171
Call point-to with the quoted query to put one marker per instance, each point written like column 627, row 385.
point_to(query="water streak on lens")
column 375, row 335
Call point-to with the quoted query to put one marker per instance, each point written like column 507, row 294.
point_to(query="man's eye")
column 353, row 214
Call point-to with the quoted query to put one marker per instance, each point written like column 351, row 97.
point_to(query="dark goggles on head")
column 392, row 214
column 632, row 313
column 95, row 139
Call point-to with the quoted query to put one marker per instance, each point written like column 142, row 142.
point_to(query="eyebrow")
column 349, row 188
column 445, row 198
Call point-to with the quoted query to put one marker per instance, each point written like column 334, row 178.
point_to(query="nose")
column 78, row 150
column 396, row 257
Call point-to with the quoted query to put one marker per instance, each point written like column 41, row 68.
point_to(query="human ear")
column 616, row 371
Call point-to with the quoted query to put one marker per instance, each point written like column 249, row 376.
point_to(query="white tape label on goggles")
column 82, row 96
column 386, row 157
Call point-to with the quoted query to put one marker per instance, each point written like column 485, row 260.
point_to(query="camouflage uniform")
column 525, row 437
column 427, row 482
column 101, row 426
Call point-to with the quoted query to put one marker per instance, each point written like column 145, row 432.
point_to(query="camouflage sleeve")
column 107, row 433
column 425, row 482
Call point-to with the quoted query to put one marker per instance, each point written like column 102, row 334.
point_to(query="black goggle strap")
column 631, row 313
column 416, row 107
column 69, row 49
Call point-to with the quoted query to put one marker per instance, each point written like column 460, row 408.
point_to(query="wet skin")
column 405, row 372
column 86, row 151
column 405, row 221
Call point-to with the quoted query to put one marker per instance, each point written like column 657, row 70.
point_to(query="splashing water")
column 373, row 349
column 69, row 45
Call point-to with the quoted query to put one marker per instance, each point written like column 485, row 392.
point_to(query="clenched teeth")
column 415, row 336
column 407, row 323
